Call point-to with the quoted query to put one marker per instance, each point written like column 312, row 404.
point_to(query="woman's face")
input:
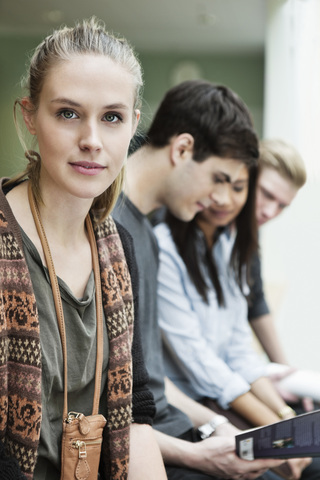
column 228, row 199
column 83, row 124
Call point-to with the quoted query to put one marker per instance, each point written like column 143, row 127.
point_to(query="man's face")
column 274, row 194
column 193, row 186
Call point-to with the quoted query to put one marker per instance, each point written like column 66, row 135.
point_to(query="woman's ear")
column 181, row 148
column 136, row 120
column 27, row 111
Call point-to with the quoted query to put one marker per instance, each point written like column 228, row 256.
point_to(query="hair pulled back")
column 86, row 37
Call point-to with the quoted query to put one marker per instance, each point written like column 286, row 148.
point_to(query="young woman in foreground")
column 82, row 109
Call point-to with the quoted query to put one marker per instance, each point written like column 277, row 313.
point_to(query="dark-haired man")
column 195, row 142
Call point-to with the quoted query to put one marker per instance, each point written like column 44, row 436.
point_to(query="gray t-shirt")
column 80, row 322
column 168, row 419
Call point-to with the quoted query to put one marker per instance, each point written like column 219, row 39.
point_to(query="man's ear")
column 181, row 148
column 27, row 111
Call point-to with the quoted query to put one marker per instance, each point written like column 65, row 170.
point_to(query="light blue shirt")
column 208, row 349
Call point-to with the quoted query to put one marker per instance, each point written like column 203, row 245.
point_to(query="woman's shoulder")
column 163, row 235
column 9, row 223
column 169, row 254
column 162, row 230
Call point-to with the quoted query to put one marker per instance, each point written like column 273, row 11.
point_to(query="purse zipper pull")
column 82, row 447
column 72, row 416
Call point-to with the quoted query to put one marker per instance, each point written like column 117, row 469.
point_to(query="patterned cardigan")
column 20, row 354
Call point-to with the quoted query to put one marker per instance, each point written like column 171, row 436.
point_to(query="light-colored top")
column 208, row 349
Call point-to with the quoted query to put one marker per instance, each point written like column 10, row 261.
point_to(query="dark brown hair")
column 221, row 125
column 185, row 236
column 214, row 115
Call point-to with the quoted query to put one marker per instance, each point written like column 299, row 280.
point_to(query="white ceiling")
column 217, row 26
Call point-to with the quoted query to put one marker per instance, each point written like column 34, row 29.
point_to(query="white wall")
column 290, row 244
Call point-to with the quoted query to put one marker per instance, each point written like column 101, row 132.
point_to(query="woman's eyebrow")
column 72, row 103
column 66, row 101
column 243, row 180
column 116, row 106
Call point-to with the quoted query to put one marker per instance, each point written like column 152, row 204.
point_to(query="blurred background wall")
column 268, row 51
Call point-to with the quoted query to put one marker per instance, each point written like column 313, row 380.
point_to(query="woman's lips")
column 220, row 213
column 87, row 168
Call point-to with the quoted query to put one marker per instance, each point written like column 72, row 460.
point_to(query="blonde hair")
column 285, row 159
column 86, row 37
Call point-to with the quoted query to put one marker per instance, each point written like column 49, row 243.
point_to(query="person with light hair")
column 69, row 277
column 281, row 175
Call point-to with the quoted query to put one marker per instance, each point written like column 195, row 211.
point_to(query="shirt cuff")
column 235, row 387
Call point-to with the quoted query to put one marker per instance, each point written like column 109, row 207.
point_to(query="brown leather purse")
column 81, row 435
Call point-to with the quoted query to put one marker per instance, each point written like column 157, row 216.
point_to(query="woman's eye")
column 112, row 118
column 67, row 114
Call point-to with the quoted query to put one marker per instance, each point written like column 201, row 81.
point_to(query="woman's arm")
column 260, row 318
column 267, row 335
column 145, row 458
column 262, row 405
column 264, row 390
column 254, row 410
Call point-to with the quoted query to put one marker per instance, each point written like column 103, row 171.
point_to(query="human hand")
column 287, row 396
column 294, row 384
column 216, row 456
column 276, row 373
column 308, row 404
column 226, row 430
column 292, row 469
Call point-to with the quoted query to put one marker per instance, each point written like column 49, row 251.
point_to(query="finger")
column 308, row 404
column 253, row 475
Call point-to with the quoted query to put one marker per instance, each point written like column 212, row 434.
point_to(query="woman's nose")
column 220, row 194
column 90, row 138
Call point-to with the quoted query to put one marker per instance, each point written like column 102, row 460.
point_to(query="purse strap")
column 58, row 303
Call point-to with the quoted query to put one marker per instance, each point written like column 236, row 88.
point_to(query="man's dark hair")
column 221, row 125
column 214, row 115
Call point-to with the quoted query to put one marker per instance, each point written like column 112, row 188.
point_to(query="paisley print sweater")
column 20, row 355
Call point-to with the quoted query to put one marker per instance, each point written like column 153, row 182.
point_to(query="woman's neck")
column 65, row 231
column 208, row 230
column 63, row 221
